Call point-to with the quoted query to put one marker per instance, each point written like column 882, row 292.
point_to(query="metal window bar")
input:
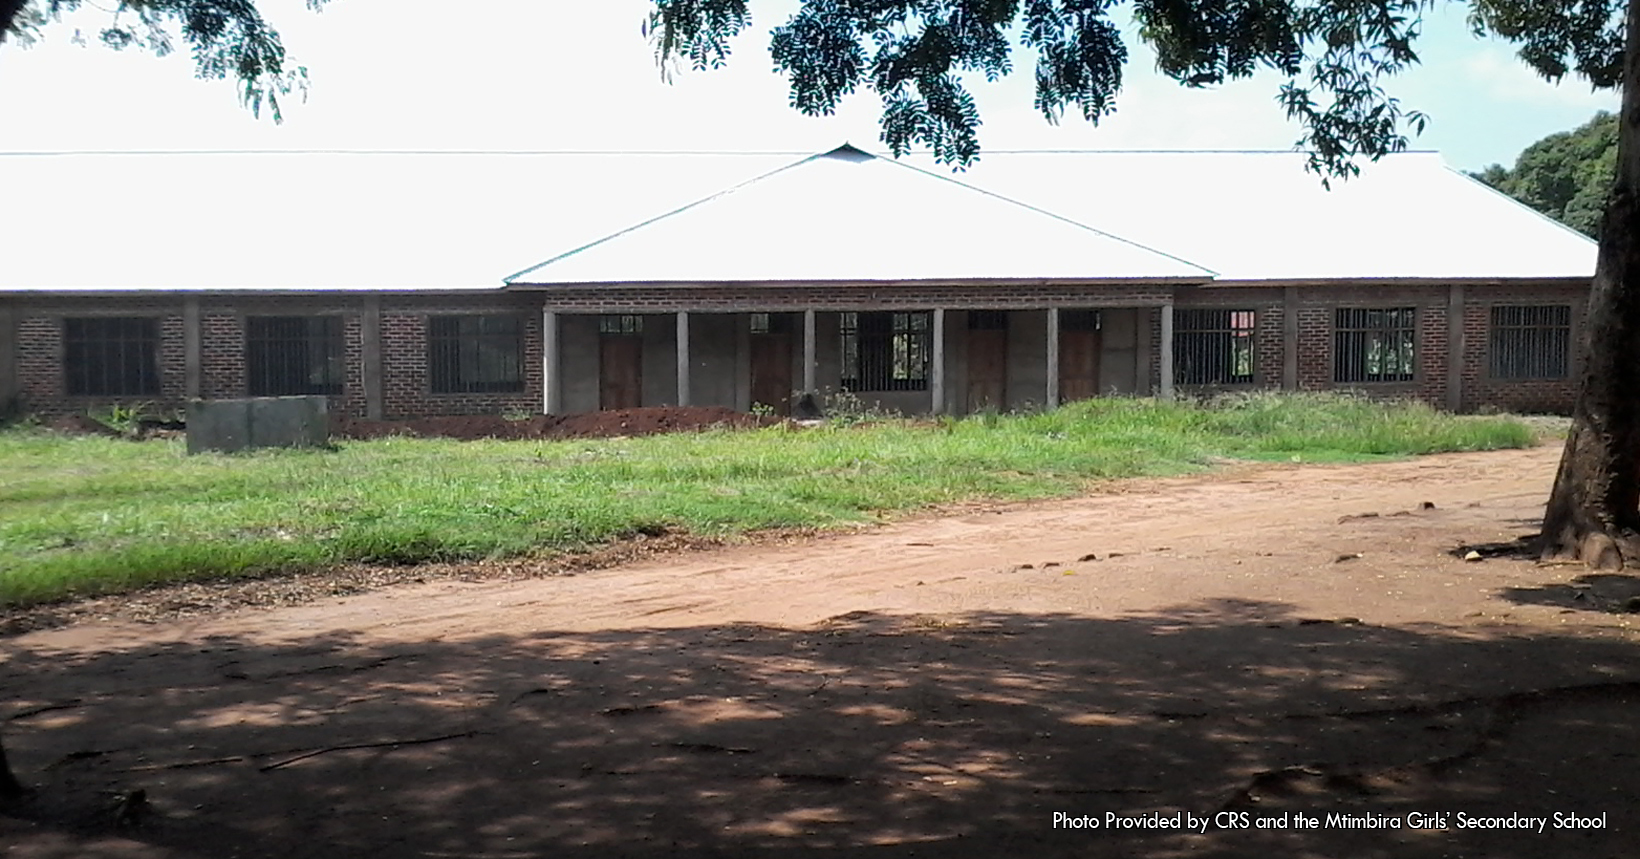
column 111, row 356
column 475, row 354
column 1530, row 341
column 1374, row 344
column 294, row 355
column 621, row 325
column 1212, row 347
column 886, row 351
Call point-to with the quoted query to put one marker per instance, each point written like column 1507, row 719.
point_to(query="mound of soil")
column 610, row 424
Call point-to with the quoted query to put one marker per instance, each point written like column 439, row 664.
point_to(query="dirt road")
column 1236, row 649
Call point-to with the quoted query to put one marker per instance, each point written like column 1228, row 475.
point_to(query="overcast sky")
column 579, row 75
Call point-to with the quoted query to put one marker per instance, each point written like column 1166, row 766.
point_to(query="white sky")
column 579, row 75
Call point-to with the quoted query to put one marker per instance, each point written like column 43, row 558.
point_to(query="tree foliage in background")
column 228, row 39
column 1565, row 176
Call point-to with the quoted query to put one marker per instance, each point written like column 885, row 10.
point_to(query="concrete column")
column 1454, row 347
column 1166, row 355
column 1052, row 399
column 552, row 387
column 10, row 387
column 743, row 362
column 193, row 361
column 370, row 332
column 936, row 372
column 1289, row 338
column 809, row 369
column 683, row 357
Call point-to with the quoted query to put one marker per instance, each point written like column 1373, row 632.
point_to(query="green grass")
column 82, row 515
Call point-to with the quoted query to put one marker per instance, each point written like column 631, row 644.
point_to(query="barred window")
column 886, row 351
column 473, row 354
column 1212, row 347
column 1374, row 344
column 629, row 325
column 111, row 356
column 1530, row 342
column 294, row 355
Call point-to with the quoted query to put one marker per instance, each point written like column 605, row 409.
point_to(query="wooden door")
column 1078, row 365
column 987, row 369
column 771, row 361
column 620, row 371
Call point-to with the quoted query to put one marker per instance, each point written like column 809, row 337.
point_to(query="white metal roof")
column 847, row 215
column 445, row 221
column 326, row 220
column 1261, row 216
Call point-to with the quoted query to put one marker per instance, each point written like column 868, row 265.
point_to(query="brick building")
column 381, row 280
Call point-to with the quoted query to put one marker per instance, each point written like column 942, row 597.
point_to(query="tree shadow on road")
column 954, row 735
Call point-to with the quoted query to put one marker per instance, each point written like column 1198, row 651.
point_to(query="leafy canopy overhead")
column 228, row 38
column 1335, row 55
column 1565, row 176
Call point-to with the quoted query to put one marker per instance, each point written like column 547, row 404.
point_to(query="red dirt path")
column 1255, row 643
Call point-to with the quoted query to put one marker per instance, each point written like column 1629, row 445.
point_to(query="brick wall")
column 407, row 388
column 405, row 391
column 41, row 384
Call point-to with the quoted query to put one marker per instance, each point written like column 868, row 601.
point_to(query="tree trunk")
column 10, row 787
column 1594, row 510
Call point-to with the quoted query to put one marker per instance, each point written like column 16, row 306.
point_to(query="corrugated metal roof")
column 1260, row 216
column 447, row 221
column 847, row 215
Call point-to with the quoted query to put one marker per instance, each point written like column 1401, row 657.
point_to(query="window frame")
column 887, row 350
column 1371, row 327
column 85, row 350
column 1215, row 331
column 1552, row 354
column 324, row 355
column 457, row 359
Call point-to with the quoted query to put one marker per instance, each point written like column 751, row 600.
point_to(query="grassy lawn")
column 82, row 515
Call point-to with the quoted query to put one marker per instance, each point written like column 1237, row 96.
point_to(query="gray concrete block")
column 227, row 426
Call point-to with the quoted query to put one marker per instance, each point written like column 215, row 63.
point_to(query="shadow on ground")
column 934, row 736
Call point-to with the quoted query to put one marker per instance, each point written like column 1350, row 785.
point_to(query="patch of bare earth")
column 1238, row 648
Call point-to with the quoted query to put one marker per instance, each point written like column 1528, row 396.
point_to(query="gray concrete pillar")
column 936, row 370
column 370, row 335
column 10, row 386
column 683, row 357
column 193, row 360
column 1052, row 398
column 552, row 388
column 1454, row 348
column 1289, row 338
column 809, row 369
column 1166, row 355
